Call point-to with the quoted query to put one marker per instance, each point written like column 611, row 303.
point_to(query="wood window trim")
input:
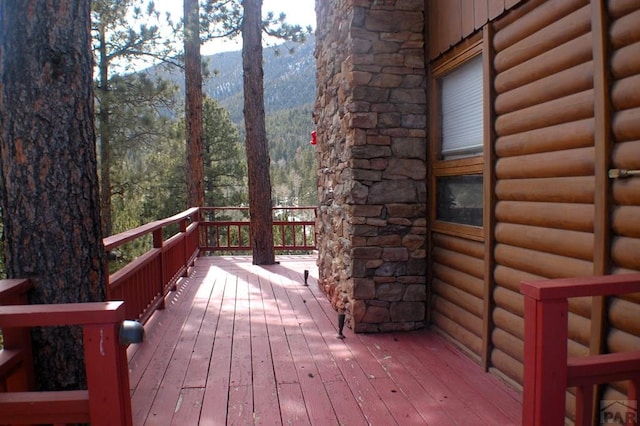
column 457, row 55
column 452, row 167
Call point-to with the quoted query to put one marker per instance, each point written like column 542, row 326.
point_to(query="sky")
column 301, row 12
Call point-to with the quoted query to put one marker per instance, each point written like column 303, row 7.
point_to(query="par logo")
column 618, row 412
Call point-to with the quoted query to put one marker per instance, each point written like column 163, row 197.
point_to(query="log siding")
column 543, row 97
column 564, row 110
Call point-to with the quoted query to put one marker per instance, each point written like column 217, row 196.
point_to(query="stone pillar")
column 370, row 116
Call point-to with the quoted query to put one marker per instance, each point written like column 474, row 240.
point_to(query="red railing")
column 16, row 367
column 227, row 229
column 144, row 282
column 107, row 399
column 548, row 372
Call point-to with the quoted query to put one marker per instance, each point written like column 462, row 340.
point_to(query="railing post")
column 158, row 244
column 545, row 361
column 633, row 394
column 107, row 375
column 185, row 254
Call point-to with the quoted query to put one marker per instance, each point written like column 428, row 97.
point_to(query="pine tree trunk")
column 193, row 105
column 256, row 134
column 50, row 200
column 104, row 131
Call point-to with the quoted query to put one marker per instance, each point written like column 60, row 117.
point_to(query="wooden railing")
column 142, row 284
column 16, row 364
column 548, row 372
column 227, row 229
column 145, row 282
column 107, row 399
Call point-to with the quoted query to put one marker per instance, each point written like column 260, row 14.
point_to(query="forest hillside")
column 289, row 81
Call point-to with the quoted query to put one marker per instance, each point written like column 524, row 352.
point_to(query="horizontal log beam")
column 564, row 83
column 570, row 162
column 570, row 108
column 61, row 314
column 560, row 137
column 575, row 189
column 571, row 217
column 562, row 57
column 531, row 22
column 560, row 31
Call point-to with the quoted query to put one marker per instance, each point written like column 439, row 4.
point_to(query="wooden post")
column 158, row 243
column 107, row 374
column 185, row 247
column 545, row 361
column 633, row 394
column 584, row 412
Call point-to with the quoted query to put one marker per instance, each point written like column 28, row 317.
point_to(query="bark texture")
column 256, row 134
column 50, row 200
column 105, row 134
column 193, row 105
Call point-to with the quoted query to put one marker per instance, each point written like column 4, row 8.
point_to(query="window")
column 459, row 199
column 457, row 127
column 461, row 114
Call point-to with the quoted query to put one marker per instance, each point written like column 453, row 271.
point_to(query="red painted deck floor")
column 241, row 344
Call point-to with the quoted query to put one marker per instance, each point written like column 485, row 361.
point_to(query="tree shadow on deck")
column 240, row 342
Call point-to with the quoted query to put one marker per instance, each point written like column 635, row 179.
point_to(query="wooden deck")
column 241, row 344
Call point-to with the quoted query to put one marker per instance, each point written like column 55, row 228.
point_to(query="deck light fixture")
column 340, row 325
column 131, row 332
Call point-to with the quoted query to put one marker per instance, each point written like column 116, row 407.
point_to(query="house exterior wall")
column 370, row 116
column 562, row 84
column 545, row 164
column 562, row 118
column 566, row 108
column 449, row 22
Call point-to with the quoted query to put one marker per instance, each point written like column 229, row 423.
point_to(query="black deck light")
column 306, row 277
column 131, row 332
column 340, row 325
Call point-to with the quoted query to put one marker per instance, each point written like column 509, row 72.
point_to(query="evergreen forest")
column 147, row 136
column 140, row 128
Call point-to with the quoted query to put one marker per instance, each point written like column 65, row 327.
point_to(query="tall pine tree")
column 256, row 144
column 121, row 36
column 193, row 104
column 50, row 202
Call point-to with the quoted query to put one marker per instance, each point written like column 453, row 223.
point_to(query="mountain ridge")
column 289, row 68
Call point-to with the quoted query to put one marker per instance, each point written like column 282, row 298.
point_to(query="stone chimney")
column 370, row 117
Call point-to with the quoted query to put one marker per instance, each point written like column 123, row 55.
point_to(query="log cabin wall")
column 561, row 109
column 544, row 169
column 458, row 302
column 563, row 92
column 623, row 61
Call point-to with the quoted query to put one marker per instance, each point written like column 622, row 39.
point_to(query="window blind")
column 461, row 97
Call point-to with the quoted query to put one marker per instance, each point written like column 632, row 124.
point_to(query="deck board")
column 242, row 344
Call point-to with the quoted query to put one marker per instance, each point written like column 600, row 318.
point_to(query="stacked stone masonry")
column 370, row 117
